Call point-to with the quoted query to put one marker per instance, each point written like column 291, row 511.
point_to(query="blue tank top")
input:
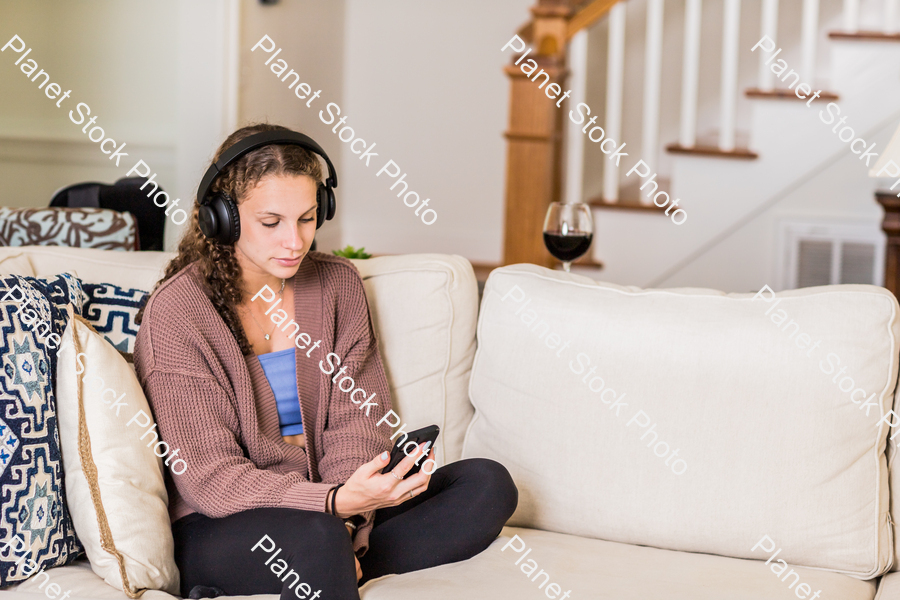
column 281, row 371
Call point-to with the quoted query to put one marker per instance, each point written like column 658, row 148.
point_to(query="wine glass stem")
column 566, row 264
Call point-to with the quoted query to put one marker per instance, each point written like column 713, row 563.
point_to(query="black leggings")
column 459, row 515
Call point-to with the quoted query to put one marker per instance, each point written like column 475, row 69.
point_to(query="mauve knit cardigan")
column 216, row 406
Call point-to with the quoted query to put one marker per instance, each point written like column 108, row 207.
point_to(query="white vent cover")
column 827, row 253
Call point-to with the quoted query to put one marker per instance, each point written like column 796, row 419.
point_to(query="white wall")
column 424, row 81
column 121, row 71
column 747, row 259
column 311, row 35
column 152, row 72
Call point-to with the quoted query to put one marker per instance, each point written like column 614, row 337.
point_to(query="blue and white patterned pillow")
column 36, row 529
column 111, row 310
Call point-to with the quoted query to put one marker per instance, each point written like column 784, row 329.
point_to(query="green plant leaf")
column 351, row 252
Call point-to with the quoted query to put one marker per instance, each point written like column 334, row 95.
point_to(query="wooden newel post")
column 891, row 226
column 534, row 137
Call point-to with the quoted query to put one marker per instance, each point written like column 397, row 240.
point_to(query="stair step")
column 785, row 94
column 713, row 151
column 602, row 203
column 630, row 198
column 865, row 35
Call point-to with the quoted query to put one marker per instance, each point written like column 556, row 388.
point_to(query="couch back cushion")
column 691, row 419
column 15, row 262
column 114, row 284
column 423, row 306
column 893, row 447
column 139, row 270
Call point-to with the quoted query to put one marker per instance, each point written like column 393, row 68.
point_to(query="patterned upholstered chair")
column 77, row 227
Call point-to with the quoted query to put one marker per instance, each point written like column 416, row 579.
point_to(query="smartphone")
column 426, row 435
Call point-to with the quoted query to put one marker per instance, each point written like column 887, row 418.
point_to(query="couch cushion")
column 767, row 442
column 588, row 568
column 36, row 529
column 82, row 582
column 598, row 570
column 889, row 587
column 125, row 269
column 423, row 309
column 894, row 467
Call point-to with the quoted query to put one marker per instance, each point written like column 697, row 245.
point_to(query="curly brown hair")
column 217, row 262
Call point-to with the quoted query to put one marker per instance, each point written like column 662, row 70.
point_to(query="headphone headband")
column 258, row 140
column 218, row 215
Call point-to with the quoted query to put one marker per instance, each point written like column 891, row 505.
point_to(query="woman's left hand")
column 368, row 489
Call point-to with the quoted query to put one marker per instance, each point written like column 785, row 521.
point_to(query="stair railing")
column 687, row 137
column 537, row 173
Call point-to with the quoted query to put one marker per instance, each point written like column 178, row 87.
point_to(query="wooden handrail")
column 588, row 15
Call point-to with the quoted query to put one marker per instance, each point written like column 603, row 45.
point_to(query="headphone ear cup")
column 321, row 205
column 209, row 224
column 332, row 205
column 219, row 219
column 230, row 231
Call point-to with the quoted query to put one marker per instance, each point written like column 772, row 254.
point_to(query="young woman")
column 283, row 490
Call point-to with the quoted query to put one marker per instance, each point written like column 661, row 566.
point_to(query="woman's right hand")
column 367, row 489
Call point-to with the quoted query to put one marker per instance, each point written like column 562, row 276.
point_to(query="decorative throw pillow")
column 114, row 473
column 36, row 528
column 76, row 227
column 111, row 311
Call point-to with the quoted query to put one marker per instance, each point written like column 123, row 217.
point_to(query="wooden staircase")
column 544, row 163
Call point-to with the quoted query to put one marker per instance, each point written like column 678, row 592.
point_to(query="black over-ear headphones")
column 218, row 213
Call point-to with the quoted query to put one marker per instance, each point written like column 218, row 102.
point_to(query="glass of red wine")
column 568, row 231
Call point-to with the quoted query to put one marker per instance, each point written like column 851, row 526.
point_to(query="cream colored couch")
column 769, row 442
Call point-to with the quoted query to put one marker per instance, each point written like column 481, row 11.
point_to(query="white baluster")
column 809, row 32
column 614, row 88
column 652, row 73
column 851, row 16
column 769, row 28
column 577, row 58
column 731, row 30
column 690, row 73
column 890, row 16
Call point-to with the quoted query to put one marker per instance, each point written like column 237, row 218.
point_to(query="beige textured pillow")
column 114, row 482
